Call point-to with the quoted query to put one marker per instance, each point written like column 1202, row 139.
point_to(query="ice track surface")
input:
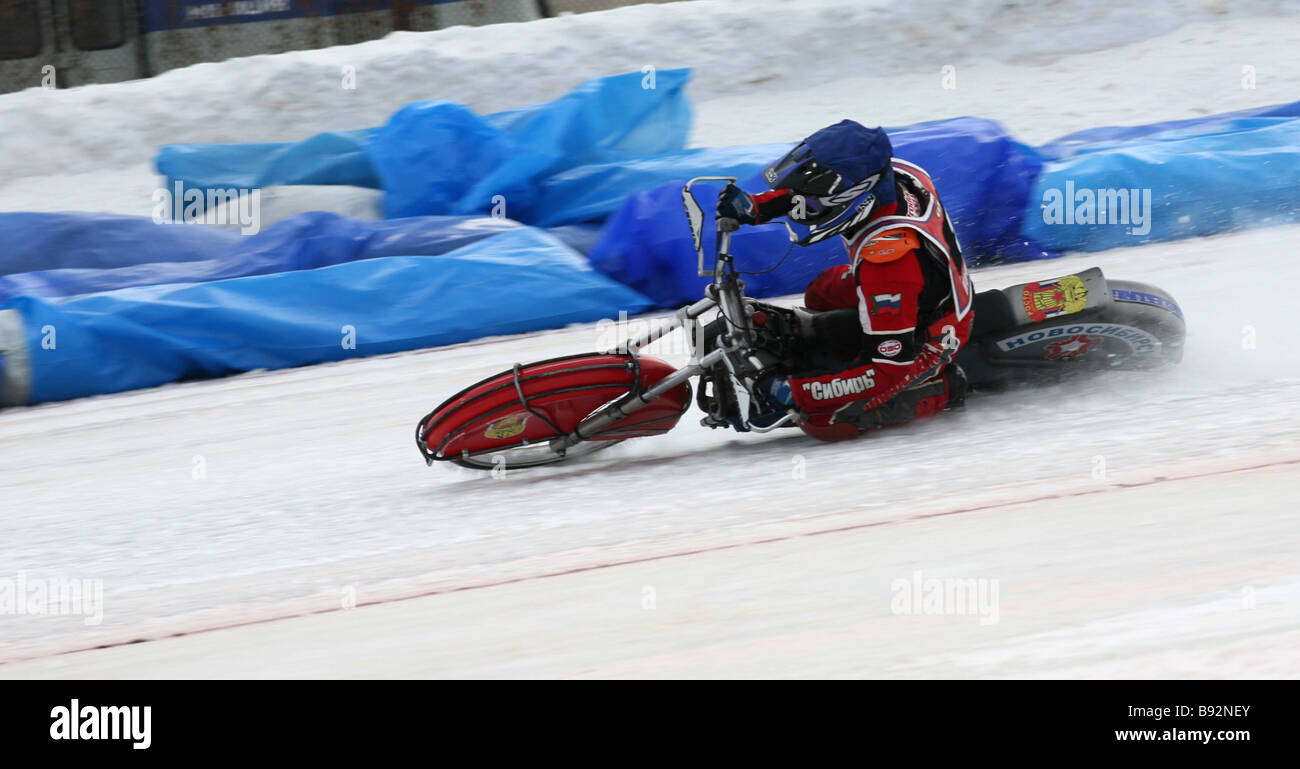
column 1135, row 525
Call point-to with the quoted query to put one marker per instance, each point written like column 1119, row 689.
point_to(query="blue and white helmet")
column 838, row 175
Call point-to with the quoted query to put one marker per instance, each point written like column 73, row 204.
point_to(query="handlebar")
column 727, row 294
column 695, row 218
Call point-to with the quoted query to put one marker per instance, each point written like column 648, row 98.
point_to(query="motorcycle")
column 564, row 408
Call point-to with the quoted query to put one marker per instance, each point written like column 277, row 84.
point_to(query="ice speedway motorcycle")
column 563, row 408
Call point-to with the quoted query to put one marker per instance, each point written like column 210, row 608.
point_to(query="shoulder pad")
column 889, row 245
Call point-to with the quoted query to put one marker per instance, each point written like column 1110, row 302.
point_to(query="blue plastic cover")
column 983, row 177
column 647, row 245
column 337, row 157
column 302, row 242
column 518, row 281
column 1183, row 186
column 593, row 192
column 54, row 241
column 441, row 158
column 1105, row 137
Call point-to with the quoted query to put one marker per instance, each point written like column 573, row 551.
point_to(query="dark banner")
column 865, row 722
column 159, row 15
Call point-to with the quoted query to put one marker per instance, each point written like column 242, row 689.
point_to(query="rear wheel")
column 1140, row 327
column 1153, row 310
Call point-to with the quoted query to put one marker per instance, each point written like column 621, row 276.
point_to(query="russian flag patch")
column 886, row 304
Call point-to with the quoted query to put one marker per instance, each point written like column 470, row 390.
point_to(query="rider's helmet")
column 840, row 175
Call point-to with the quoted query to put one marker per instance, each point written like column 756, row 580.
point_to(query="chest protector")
column 922, row 224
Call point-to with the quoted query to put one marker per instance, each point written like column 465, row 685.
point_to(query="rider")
column 906, row 277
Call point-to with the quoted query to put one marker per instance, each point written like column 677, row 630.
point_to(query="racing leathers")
column 913, row 295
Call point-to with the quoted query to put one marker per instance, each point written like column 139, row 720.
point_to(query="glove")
column 737, row 205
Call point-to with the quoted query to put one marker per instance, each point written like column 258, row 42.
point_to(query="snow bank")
column 734, row 46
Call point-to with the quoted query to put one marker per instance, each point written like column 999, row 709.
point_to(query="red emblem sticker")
column 1075, row 346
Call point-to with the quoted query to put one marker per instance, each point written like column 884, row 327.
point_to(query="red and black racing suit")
column 909, row 283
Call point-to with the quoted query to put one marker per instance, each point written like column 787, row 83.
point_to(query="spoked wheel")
column 510, row 419
column 528, row 455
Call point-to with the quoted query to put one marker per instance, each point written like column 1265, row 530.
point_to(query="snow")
column 312, row 489
column 1153, row 601
column 1043, row 72
column 1138, row 525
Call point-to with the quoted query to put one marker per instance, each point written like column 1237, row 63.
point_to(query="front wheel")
column 512, row 417
column 528, row 455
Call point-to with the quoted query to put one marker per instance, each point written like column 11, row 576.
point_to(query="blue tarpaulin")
column 647, row 245
column 1167, row 185
column 441, row 158
column 518, row 281
column 55, row 241
column 984, row 177
column 302, row 242
column 593, row 192
column 1105, row 137
column 337, row 157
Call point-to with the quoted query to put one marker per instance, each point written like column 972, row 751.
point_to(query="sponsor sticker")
column 506, row 428
column 913, row 205
column 889, row 348
column 1141, row 297
column 1140, row 341
column 841, row 386
column 1074, row 347
column 1055, row 297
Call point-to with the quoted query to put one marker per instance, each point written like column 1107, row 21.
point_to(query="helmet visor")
column 798, row 171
